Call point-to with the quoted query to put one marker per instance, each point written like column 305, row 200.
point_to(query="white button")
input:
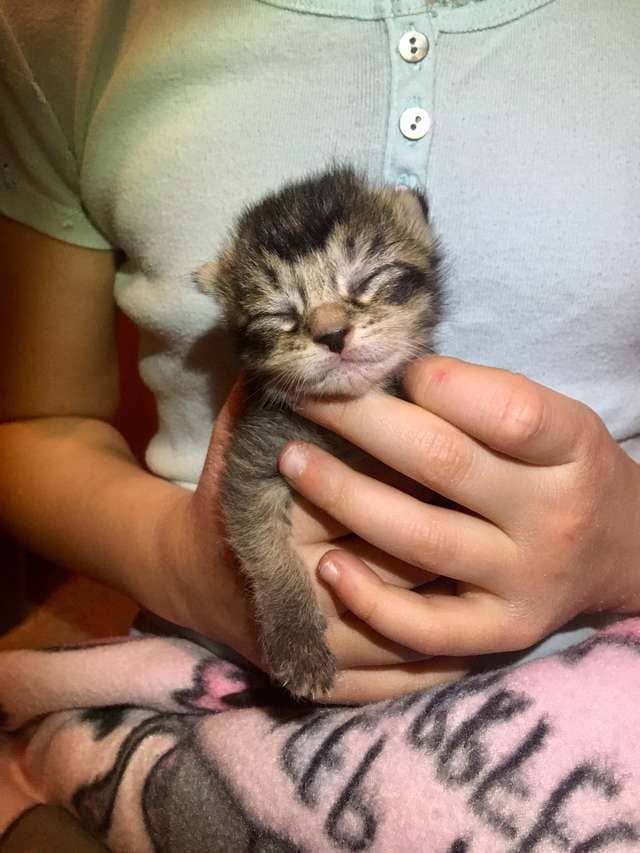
column 413, row 46
column 415, row 123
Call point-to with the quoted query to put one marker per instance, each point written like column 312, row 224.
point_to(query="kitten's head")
column 331, row 285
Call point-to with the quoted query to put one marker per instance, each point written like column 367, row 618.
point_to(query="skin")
column 546, row 517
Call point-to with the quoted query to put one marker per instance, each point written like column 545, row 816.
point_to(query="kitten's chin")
column 338, row 378
column 351, row 379
column 347, row 384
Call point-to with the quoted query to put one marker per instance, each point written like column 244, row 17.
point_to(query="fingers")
column 311, row 525
column 425, row 448
column 374, row 684
column 468, row 624
column 388, row 568
column 432, row 538
column 356, row 645
column 503, row 410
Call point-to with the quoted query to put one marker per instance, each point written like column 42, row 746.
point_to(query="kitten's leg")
column 291, row 624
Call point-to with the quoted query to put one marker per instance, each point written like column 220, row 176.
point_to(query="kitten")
column 332, row 287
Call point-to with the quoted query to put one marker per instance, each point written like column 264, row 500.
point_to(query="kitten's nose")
column 329, row 325
column 334, row 340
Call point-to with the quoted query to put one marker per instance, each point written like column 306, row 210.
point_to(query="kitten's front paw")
column 308, row 673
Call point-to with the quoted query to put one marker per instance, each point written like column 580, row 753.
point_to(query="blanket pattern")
column 156, row 744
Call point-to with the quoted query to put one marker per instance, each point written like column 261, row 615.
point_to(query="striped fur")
column 332, row 287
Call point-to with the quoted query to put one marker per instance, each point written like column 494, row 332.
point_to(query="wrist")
column 173, row 545
column 631, row 604
column 197, row 583
column 622, row 588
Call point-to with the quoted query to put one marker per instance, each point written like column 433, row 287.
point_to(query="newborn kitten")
column 332, row 287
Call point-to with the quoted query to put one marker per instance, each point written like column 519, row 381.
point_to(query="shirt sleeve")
column 39, row 172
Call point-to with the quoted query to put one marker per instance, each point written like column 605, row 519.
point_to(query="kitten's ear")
column 414, row 204
column 207, row 276
column 415, row 209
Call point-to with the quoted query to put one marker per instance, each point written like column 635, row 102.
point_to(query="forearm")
column 71, row 490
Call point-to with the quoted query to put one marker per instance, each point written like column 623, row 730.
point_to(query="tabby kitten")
column 332, row 287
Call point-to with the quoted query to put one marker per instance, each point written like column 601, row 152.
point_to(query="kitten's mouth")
column 364, row 360
column 351, row 375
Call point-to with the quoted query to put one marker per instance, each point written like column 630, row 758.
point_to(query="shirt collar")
column 474, row 15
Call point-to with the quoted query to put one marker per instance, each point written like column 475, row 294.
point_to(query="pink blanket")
column 157, row 745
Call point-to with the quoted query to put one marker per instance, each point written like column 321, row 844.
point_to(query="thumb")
column 223, row 432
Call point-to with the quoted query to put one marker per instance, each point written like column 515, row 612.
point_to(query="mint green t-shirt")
column 146, row 126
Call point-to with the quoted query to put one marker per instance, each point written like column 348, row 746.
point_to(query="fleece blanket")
column 156, row 744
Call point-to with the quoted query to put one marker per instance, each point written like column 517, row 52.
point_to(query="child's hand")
column 203, row 587
column 550, row 518
column 205, row 590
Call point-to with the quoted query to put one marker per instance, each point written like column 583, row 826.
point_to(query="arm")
column 71, row 489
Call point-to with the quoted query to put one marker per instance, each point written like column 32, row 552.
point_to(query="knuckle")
column 595, row 467
column 572, row 525
column 433, row 547
column 438, row 455
column 525, row 626
column 522, row 414
column 592, row 434
column 505, row 633
column 572, row 512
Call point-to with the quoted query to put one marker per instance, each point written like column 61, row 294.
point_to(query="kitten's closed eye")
column 287, row 321
column 361, row 291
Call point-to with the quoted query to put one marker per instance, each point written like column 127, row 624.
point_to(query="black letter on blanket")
column 437, row 708
column 290, row 756
column 329, row 756
column 351, row 824
column 576, row 654
column 607, row 836
column 464, row 742
column 505, row 777
column 550, row 823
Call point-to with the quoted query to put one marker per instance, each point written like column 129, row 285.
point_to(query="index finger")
column 419, row 444
column 505, row 411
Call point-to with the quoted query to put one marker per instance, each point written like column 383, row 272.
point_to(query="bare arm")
column 69, row 486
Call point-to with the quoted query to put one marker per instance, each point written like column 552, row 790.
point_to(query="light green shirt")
column 147, row 126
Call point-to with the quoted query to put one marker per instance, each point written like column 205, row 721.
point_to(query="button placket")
column 412, row 48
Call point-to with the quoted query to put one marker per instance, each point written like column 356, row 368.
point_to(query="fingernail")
column 328, row 571
column 293, row 461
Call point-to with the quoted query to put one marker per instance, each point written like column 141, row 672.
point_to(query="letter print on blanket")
column 194, row 754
